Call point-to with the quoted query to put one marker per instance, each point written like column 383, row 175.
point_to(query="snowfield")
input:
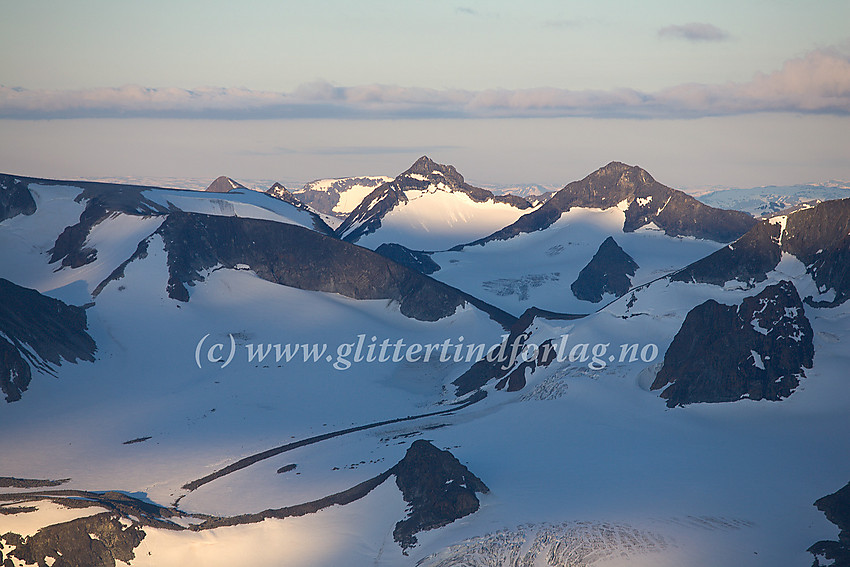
column 537, row 268
column 438, row 219
column 585, row 465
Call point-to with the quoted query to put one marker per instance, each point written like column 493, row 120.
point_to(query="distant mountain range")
column 766, row 201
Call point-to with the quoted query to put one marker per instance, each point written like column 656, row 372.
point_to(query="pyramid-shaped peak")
column 426, row 166
column 609, row 244
column 224, row 184
column 278, row 191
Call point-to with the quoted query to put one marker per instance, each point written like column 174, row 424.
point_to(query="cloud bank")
column 819, row 82
column 694, row 31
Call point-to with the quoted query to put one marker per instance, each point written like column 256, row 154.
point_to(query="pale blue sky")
column 700, row 93
column 470, row 44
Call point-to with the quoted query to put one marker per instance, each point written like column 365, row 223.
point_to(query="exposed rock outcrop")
column 39, row 332
column 836, row 507
column 413, row 259
column 15, row 198
column 723, row 353
column 93, row 541
column 280, row 192
column 438, row 488
column 818, row 236
column 301, row 258
column 102, row 200
column 609, row 271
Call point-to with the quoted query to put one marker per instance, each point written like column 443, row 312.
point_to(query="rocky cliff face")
column 748, row 259
column 675, row 212
column 15, row 198
column 39, row 332
column 102, row 200
column 818, row 236
column 301, row 258
column 509, row 376
column 723, row 353
column 413, row 259
column 438, row 488
column 609, row 271
column 836, row 507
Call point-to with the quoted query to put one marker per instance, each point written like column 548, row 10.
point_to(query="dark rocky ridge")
column 748, row 259
column 510, row 377
column 102, row 200
column 366, row 217
column 711, row 358
column 224, row 184
column 413, row 259
column 15, row 198
column 39, row 332
column 301, row 258
column 12, row 482
column 280, row 192
column 817, row 236
column 609, row 271
column 836, row 507
column 438, row 488
column 675, row 212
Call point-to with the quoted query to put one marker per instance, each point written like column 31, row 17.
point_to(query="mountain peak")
column 621, row 177
column 424, row 175
column 609, row 271
column 280, row 192
column 224, row 184
column 427, row 167
column 646, row 201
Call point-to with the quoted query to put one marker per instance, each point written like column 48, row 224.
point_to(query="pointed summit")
column 320, row 222
column 278, row 191
column 427, row 167
column 442, row 183
column 609, row 271
column 644, row 201
column 224, row 184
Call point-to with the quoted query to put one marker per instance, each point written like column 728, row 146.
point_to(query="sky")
column 700, row 94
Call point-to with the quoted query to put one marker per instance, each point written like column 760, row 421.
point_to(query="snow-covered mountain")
column 428, row 207
column 535, row 261
column 338, row 196
column 213, row 379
